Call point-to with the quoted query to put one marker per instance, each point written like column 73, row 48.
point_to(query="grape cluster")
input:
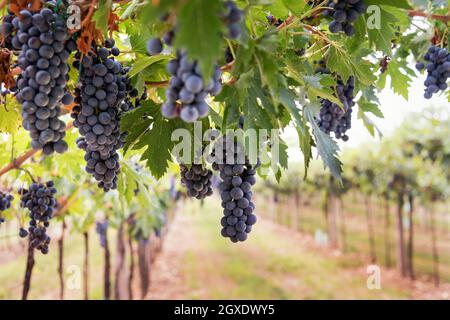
column 40, row 200
column 235, row 188
column 5, row 203
column 42, row 38
column 99, row 97
column 233, row 17
column 344, row 13
column 333, row 118
column 197, row 180
column 274, row 21
column 132, row 93
column 188, row 87
column 102, row 230
column 7, row 31
column 438, row 69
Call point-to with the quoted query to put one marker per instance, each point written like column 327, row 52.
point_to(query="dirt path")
column 274, row 263
column 167, row 280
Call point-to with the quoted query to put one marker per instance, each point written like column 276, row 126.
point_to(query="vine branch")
column 418, row 13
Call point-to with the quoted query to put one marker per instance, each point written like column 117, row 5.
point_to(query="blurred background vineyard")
column 315, row 237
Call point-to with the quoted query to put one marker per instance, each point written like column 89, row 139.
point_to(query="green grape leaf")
column 101, row 15
column 295, row 6
column 200, row 33
column 326, row 146
column 403, row 4
column 288, row 99
column 143, row 63
column 9, row 116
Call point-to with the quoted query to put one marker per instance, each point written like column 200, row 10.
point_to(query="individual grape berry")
column 197, row 180
column 23, row 233
column 438, row 70
column 40, row 200
column 154, row 46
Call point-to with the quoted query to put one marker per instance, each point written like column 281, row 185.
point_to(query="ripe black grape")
column 333, row 118
column 154, row 46
column 99, row 98
column 235, row 188
column 187, row 91
column 40, row 200
column 44, row 45
column 5, row 204
column 344, row 13
column 438, row 70
column 197, row 180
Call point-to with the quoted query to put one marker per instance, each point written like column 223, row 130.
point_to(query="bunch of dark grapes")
column 42, row 38
column 102, row 230
column 5, row 204
column 132, row 93
column 344, row 13
column 274, row 21
column 438, row 69
column 238, row 177
column 333, row 118
column 7, row 31
column 233, row 17
column 40, row 200
column 187, row 91
column 99, row 97
column 197, row 180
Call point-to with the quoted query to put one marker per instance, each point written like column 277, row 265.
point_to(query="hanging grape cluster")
column 344, row 13
column 274, row 21
column 42, row 38
column 238, row 177
column 187, row 91
column 332, row 117
column 7, row 31
column 438, row 69
column 102, row 89
column 233, row 17
column 40, row 201
column 5, row 203
column 197, row 180
column 101, row 227
column 132, row 93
